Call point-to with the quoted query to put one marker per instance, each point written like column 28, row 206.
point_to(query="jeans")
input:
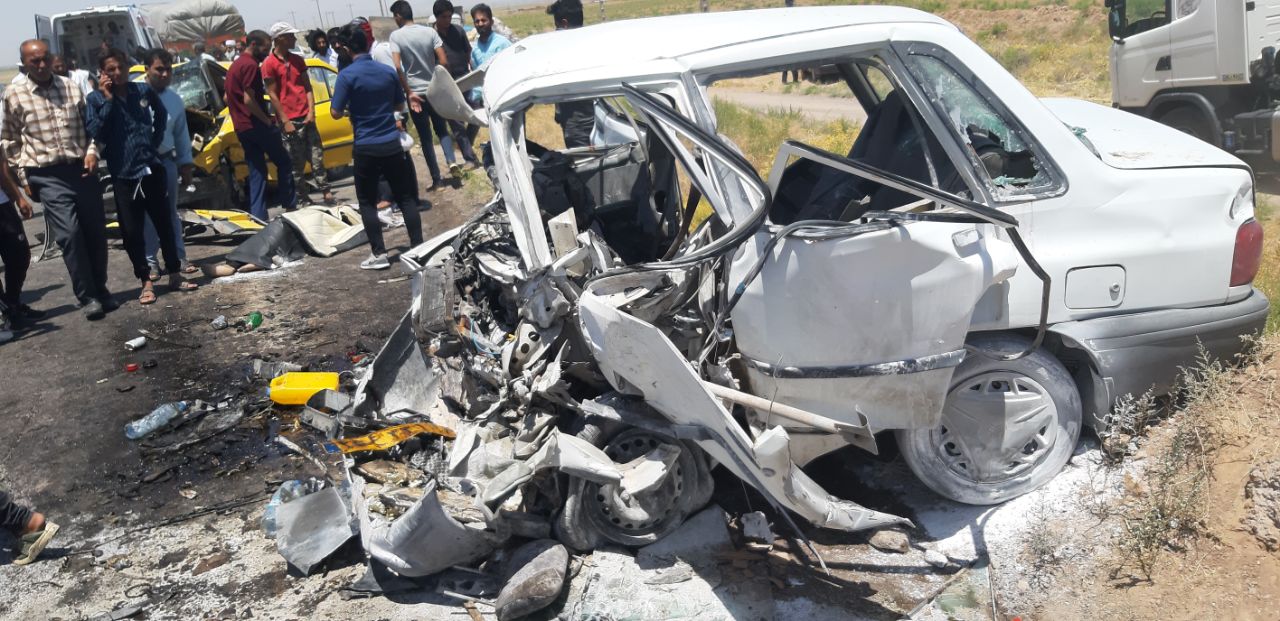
column 463, row 139
column 149, row 230
column 422, row 122
column 136, row 200
column 305, row 146
column 398, row 171
column 261, row 143
column 73, row 208
column 13, row 516
column 15, row 253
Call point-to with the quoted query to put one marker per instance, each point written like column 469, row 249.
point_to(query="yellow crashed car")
column 221, row 171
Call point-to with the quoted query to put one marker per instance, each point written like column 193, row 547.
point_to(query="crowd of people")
column 59, row 120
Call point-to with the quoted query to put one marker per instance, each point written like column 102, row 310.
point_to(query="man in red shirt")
column 289, row 86
column 259, row 136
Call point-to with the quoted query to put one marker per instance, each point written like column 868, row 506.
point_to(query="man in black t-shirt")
column 457, row 51
column 576, row 118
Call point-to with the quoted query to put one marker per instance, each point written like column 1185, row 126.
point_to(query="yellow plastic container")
column 296, row 388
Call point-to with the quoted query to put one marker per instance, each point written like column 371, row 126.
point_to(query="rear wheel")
column 1188, row 120
column 1007, row 427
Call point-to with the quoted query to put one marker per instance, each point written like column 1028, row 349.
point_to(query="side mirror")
column 1268, row 61
column 1116, row 22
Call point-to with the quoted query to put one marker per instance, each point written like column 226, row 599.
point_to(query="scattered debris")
column 1263, row 517
column 219, row 322
column 936, row 559
column 890, row 540
column 211, row 562
column 313, row 527
column 135, row 344
column 755, row 529
column 535, row 577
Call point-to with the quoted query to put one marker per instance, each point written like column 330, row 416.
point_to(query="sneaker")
column 455, row 169
column 93, row 311
column 375, row 262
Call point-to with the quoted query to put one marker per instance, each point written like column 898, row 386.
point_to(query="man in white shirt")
column 63, row 67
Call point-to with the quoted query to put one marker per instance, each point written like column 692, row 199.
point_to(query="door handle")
column 1165, row 63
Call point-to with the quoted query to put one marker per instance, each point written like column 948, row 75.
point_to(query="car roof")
column 630, row 43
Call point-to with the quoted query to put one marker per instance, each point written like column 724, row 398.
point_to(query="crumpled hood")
column 1128, row 141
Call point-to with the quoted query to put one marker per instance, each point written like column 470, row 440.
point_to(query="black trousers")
column 13, row 517
column 15, row 253
column 73, row 207
column 137, row 199
column 398, row 171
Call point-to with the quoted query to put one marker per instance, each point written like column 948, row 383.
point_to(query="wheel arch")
column 1165, row 103
column 1095, row 393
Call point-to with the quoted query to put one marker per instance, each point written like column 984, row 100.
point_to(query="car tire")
column 1190, row 121
column 1030, row 405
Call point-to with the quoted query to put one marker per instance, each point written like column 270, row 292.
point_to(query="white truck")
column 77, row 35
column 1207, row 68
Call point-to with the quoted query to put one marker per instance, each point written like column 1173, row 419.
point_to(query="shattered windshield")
column 1010, row 164
column 190, row 83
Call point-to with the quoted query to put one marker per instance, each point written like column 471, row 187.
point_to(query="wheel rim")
column 627, row 519
column 996, row 426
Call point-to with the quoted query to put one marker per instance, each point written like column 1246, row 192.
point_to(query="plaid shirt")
column 44, row 125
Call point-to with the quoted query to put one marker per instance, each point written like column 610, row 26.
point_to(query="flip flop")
column 34, row 543
column 154, row 275
column 190, row 269
column 147, row 297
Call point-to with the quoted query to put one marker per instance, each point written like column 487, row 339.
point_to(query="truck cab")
column 1206, row 68
column 77, row 35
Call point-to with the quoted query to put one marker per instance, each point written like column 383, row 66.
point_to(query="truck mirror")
column 1116, row 21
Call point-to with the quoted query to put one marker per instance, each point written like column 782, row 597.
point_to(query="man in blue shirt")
column 371, row 94
column 488, row 44
column 127, row 120
column 175, row 155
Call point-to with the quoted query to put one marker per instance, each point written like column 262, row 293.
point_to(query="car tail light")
column 1248, row 256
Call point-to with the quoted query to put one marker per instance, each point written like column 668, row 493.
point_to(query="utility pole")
column 319, row 14
column 351, row 11
column 294, row 15
column 705, row 5
column 602, row 19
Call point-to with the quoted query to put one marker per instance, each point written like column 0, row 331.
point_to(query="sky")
column 257, row 14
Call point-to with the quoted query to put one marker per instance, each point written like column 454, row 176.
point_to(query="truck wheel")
column 1007, row 427
column 1188, row 121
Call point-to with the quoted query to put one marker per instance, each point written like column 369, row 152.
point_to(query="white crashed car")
column 979, row 273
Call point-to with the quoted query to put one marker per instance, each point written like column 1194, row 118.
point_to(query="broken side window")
column 1004, row 157
column 855, row 110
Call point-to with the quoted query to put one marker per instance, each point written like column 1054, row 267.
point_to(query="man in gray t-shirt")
column 420, row 50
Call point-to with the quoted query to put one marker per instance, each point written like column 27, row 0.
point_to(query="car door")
column 861, row 322
column 335, row 134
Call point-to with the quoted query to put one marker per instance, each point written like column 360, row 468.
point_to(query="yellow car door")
column 336, row 134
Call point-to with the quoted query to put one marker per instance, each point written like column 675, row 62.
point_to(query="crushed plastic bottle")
column 219, row 322
column 157, row 419
column 253, row 320
column 289, row 490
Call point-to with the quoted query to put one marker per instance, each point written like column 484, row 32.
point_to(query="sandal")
column 190, row 269
column 34, row 543
column 154, row 275
column 148, row 296
column 177, row 284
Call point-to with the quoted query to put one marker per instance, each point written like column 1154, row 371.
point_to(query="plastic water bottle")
column 157, row 419
column 289, row 490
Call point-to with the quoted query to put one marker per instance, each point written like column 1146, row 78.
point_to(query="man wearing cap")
column 256, row 130
column 289, row 87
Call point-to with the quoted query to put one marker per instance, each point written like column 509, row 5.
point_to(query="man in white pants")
column 175, row 153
